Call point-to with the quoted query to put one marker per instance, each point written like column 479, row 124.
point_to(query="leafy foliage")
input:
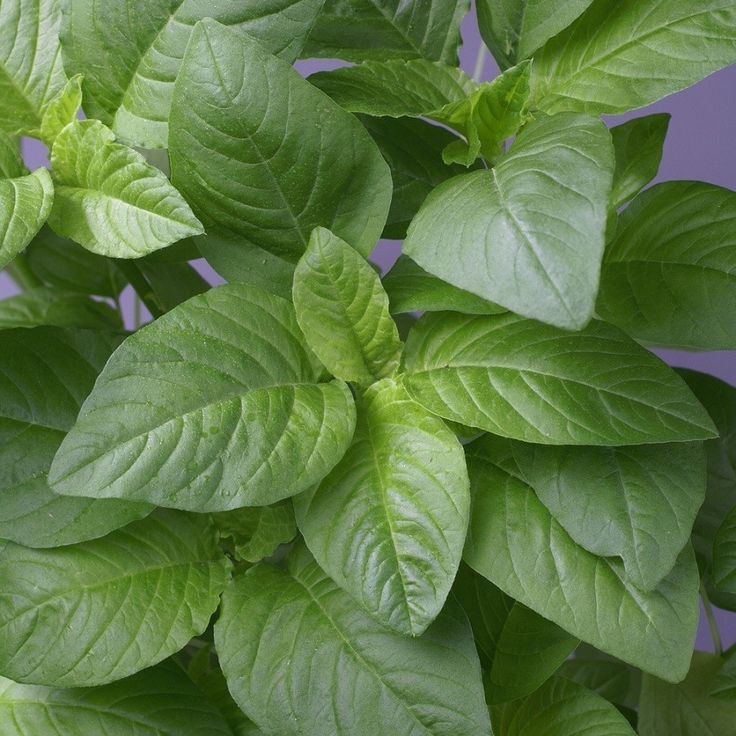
column 293, row 505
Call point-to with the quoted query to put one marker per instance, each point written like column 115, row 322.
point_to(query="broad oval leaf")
column 724, row 684
column 388, row 524
column 639, row 145
column 301, row 658
column 411, row 289
column 529, row 233
column 262, row 154
column 396, row 88
column 686, row 709
column 619, row 56
column 669, row 276
column 58, row 308
column 560, row 708
column 110, row 200
column 98, row 611
column 45, row 374
column 381, row 29
column 342, row 310
column 11, row 161
column 31, row 72
column 638, row 503
column 514, row 29
column 222, row 409
column 584, row 594
column 724, row 555
column 160, row 701
column 130, row 53
column 519, row 649
column 519, row 378
column 25, row 203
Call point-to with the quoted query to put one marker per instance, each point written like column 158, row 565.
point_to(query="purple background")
column 699, row 146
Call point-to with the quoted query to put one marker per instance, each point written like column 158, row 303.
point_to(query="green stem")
column 712, row 623
column 480, row 62
column 19, row 271
column 141, row 287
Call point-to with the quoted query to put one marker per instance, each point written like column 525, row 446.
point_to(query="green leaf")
column 301, row 658
column 668, row 276
column 724, row 555
column 11, row 161
column 271, row 159
column 686, row 709
column 624, row 55
column 30, row 62
column 25, row 203
column 342, row 310
column 638, row 145
column 84, row 615
column 130, row 53
column 560, row 708
column 522, row 379
column 59, row 308
column 62, row 110
column 160, row 701
column 724, row 683
column 529, row 233
column 214, row 686
column 518, row 648
column 65, row 265
column 45, row 374
column 257, row 532
column 381, row 29
column 396, row 88
column 169, row 284
column 110, row 200
column 413, row 150
column 637, row 503
column 411, row 289
column 388, row 524
column 586, row 595
column 241, row 262
column 515, row 29
column 615, row 681
column 236, row 419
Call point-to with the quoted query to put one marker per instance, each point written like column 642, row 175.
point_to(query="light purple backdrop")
column 699, row 146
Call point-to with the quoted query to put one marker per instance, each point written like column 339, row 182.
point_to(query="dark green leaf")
column 237, row 418
column 619, row 56
column 45, row 374
column 528, row 234
column 413, row 151
column 160, row 701
column 30, row 62
column 411, row 289
column 342, row 310
column 637, row 503
column 686, row 709
column 724, row 683
column 724, row 555
column 518, row 648
column 130, row 53
column 519, row 378
column 515, row 29
column 382, row 29
column 109, row 607
column 59, row 308
column 25, row 203
column 170, row 284
column 64, row 264
column 110, row 200
column 272, row 158
column 515, row 542
column 669, row 274
column 302, row 659
column 615, row 681
column 11, row 161
column 388, row 523
column 560, row 708
column 638, row 145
